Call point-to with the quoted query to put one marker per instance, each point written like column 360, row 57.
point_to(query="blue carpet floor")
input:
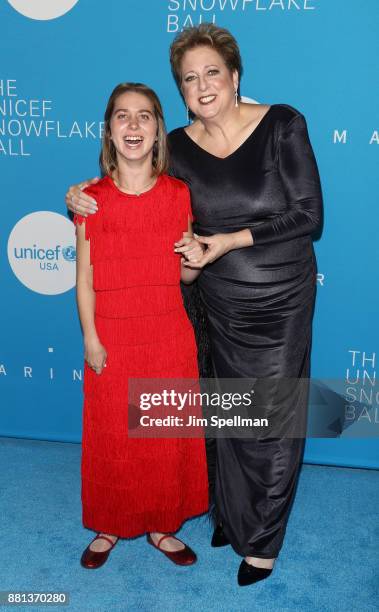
column 329, row 560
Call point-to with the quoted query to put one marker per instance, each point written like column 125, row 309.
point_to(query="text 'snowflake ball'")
column 43, row 9
column 42, row 253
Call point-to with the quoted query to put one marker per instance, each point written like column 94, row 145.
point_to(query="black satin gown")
column 257, row 305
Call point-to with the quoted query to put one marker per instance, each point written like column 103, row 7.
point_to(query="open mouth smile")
column 133, row 141
column 207, row 99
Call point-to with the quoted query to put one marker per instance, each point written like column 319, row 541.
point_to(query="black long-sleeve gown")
column 259, row 304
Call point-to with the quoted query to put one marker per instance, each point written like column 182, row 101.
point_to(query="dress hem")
column 137, row 528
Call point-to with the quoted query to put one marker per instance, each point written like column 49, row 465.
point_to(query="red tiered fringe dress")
column 133, row 486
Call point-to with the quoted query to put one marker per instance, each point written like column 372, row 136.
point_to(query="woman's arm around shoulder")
column 78, row 201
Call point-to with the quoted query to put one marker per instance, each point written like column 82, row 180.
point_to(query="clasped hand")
column 201, row 250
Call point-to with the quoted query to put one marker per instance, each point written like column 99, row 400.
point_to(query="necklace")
column 133, row 192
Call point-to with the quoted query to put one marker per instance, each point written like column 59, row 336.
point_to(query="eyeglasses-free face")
column 133, row 127
column 207, row 84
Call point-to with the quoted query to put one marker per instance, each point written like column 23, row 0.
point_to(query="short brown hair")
column 205, row 35
column 108, row 158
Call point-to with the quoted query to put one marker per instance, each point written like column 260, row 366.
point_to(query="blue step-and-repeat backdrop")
column 60, row 59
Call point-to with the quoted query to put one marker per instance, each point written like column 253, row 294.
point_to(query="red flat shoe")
column 185, row 556
column 91, row 559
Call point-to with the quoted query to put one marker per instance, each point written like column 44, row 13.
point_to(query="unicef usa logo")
column 41, row 252
column 43, row 9
column 69, row 253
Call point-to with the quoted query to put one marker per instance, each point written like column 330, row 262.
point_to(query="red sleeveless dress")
column 133, row 486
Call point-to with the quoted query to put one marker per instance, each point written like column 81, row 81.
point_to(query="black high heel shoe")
column 249, row 574
column 219, row 538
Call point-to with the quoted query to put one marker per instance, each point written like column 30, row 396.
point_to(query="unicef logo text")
column 43, row 9
column 48, row 258
column 41, row 252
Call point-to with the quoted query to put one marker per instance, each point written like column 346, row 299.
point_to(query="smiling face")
column 207, row 84
column 133, row 127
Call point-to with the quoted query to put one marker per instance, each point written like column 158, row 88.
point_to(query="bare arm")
column 188, row 275
column 94, row 353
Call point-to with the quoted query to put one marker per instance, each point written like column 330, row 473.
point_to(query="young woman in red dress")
column 135, row 326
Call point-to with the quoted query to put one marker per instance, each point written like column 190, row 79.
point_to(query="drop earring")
column 236, row 98
column 188, row 116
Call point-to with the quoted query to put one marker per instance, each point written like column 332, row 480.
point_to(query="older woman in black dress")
column 256, row 199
